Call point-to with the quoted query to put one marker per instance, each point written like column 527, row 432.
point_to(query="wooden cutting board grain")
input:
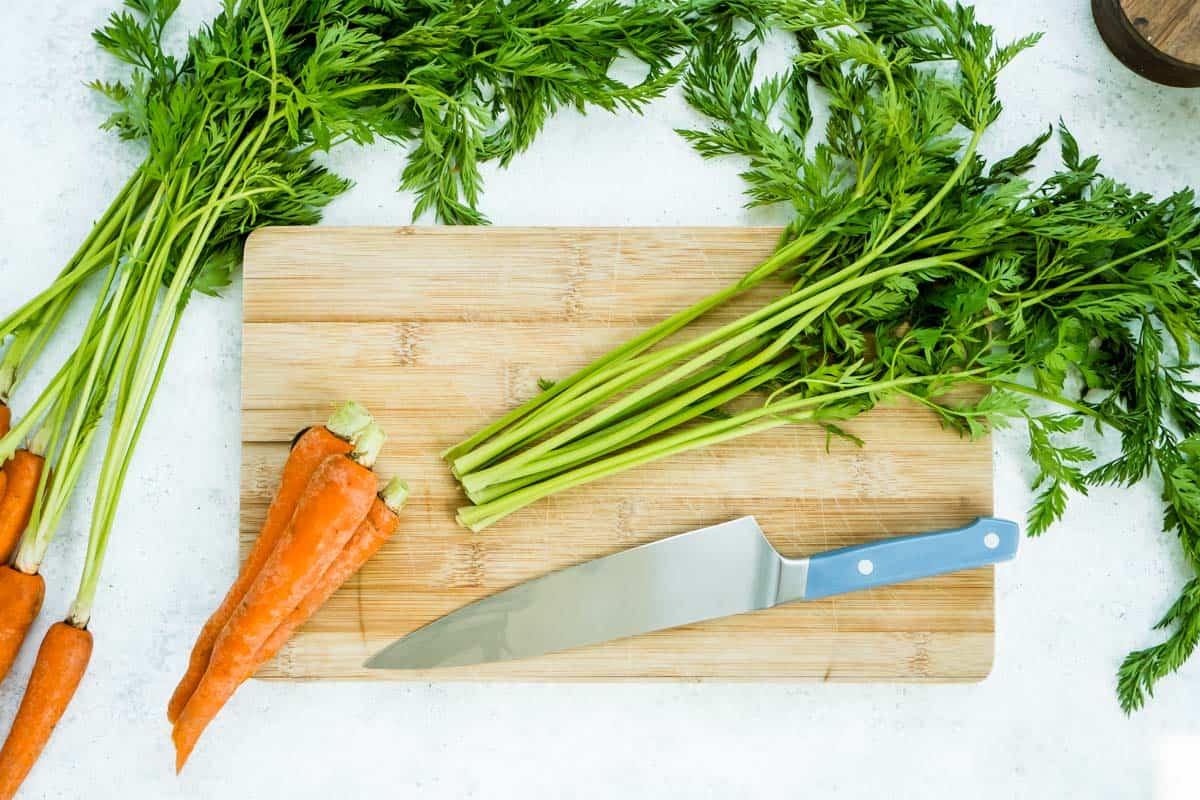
column 440, row 330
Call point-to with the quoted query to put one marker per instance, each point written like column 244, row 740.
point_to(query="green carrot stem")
column 96, row 251
column 81, row 606
column 612, row 444
column 790, row 410
column 142, row 375
column 89, row 393
column 638, row 344
column 480, row 517
column 810, row 307
column 479, row 481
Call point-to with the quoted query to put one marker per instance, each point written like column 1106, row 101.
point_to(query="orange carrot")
column 61, row 662
column 380, row 524
column 377, row 528
column 3, row 484
column 20, row 601
column 309, row 450
column 334, row 504
column 5, row 419
column 23, row 471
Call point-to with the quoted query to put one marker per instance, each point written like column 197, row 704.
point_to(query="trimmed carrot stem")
column 61, row 661
column 334, row 504
column 23, row 473
column 21, row 598
column 311, row 448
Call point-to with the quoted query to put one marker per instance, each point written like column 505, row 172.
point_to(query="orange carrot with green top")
column 61, row 662
column 309, row 450
column 335, row 502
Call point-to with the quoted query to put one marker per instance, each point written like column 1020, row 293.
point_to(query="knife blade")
column 712, row 572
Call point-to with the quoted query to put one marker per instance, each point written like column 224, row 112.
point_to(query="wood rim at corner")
column 1135, row 52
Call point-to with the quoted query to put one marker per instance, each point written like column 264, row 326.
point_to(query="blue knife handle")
column 985, row 541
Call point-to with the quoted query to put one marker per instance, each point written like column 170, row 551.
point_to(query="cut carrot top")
column 335, row 502
column 310, row 449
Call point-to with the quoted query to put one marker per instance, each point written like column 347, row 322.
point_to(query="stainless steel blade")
column 711, row 572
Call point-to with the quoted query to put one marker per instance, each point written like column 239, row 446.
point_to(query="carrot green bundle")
column 61, row 661
column 336, row 500
column 309, row 451
column 911, row 267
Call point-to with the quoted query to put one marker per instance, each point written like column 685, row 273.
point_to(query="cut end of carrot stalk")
column 349, row 420
column 394, row 494
column 78, row 616
column 40, row 443
column 470, row 520
column 367, row 444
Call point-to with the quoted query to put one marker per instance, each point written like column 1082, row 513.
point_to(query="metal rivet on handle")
column 865, row 567
column 991, row 540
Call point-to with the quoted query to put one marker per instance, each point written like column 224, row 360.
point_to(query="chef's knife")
column 708, row 573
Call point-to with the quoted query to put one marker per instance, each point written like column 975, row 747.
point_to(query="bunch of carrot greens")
column 911, row 268
column 232, row 127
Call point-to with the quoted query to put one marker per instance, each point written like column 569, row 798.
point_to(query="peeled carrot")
column 61, row 662
column 309, row 450
column 381, row 522
column 20, row 601
column 334, row 504
column 377, row 528
column 23, row 471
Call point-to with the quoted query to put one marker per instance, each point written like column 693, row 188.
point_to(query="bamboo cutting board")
column 440, row 330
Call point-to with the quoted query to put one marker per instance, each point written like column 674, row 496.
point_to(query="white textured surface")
column 1045, row 724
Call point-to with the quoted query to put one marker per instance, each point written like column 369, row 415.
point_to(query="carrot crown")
column 367, row 444
column 349, row 420
column 394, row 494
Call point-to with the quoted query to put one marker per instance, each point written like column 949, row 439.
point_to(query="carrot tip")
column 183, row 750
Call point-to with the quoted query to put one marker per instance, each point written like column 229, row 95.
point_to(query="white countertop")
column 1045, row 724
